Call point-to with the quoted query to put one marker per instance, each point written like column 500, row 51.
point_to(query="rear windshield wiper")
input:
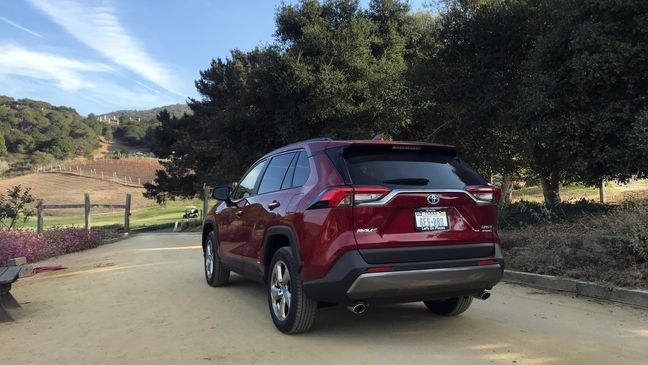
column 408, row 181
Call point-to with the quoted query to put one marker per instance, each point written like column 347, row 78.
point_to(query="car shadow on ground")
column 377, row 320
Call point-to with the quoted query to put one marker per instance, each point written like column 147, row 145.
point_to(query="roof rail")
column 315, row 139
column 322, row 139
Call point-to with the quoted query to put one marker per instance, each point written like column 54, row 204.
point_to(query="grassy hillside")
column 56, row 188
column 35, row 132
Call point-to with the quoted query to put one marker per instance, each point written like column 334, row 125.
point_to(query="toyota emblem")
column 433, row 199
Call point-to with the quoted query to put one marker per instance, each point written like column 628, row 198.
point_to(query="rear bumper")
column 349, row 281
column 424, row 283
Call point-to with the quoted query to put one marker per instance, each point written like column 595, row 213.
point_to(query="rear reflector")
column 486, row 262
column 338, row 197
column 380, row 269
column 346, row 196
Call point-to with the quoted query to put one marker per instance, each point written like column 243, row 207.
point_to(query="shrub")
column 53, row 242
column 525, row 213
column 19, row 243
column 610, row 248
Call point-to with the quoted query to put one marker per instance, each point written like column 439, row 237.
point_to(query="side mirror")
column 222, row 193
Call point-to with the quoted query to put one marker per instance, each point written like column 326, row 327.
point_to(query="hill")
column 70, row 189
column 131, row 171
column 149, row 114
column 35, row 132
column 135, row 127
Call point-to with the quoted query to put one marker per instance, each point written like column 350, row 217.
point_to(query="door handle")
column 239, row 214
column 274, row 204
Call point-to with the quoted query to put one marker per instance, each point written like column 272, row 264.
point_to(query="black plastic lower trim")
column 334, row 286
column 427, row 253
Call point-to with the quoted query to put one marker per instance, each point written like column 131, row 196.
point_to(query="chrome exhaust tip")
column 357, row 308
column 483, row 295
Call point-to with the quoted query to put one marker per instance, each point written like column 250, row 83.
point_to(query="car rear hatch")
column 417, row 202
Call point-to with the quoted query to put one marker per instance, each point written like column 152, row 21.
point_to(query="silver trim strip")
column 424, row 282
column 392, row 194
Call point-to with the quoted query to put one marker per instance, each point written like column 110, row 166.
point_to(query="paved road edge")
column 635, row 297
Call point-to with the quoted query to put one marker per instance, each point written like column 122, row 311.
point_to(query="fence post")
column 86, row 202
column 205, row 201
column 127, row 213
column 39, row 218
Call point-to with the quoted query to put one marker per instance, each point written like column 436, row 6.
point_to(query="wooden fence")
column 86, row 207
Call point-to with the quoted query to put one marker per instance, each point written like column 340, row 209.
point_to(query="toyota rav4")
column 324, row 222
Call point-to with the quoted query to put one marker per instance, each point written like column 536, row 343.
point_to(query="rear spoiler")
column 402, row 145
column 335, row 150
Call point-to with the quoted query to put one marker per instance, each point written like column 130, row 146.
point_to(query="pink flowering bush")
column 53, row 242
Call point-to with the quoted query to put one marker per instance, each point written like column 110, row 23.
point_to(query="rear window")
column 408, row 169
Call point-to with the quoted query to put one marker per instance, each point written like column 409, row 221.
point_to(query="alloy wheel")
column 280, row 290
column 209, row 260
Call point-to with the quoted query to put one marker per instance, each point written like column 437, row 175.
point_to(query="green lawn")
column 153, row 215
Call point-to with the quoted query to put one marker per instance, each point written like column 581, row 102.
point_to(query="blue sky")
column 102, row 55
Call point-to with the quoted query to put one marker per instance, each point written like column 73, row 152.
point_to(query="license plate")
column 431, row 220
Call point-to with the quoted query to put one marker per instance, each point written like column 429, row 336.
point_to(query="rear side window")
column 302, row 170
column 274, row 175
column 409, row 169
column 287, row 183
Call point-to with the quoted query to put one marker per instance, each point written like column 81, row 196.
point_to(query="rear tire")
column 291, row 310
column 449, row 307
column 215, row 273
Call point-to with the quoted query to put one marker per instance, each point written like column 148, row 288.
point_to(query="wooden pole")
column 205, row 202
column 39, row 218
column 127, row 214
column 86, row 202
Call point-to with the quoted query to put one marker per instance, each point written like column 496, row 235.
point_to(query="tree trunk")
column 507, row 190
column 550, row 187
column 602, row 191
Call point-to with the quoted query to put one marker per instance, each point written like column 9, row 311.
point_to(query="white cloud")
column 14, row 24
column 67, row 72
column 98, row 28
column 41, row 75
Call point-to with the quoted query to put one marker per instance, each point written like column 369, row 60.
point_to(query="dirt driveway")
column 144, row 301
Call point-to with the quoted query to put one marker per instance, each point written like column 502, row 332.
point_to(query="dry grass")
column 56, row 188
column 616, row 193
column 106, row 148
column 129, row 170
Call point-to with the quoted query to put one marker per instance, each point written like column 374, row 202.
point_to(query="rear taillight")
column 368, row 194
column 489, row 194
column 345, row 196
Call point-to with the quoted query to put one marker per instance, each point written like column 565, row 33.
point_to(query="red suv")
column 324, row 222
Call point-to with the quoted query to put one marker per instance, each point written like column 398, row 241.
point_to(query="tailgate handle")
column 275, row 204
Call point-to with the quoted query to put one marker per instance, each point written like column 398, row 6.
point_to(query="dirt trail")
column 144, row 301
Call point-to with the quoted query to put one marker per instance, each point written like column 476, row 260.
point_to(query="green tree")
column 16, row 206
column 338, row 70
column 583, row 113
column 468, row 80
column 3, row 146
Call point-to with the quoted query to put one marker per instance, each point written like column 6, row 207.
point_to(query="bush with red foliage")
column 53, row 242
